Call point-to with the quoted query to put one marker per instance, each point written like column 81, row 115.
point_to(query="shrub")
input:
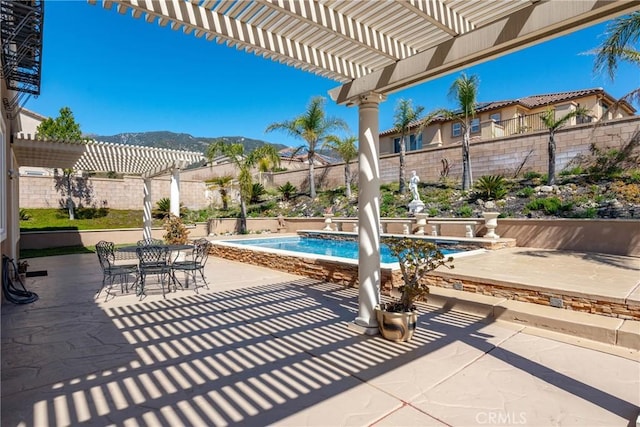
column 550, row 205
column 525, row 192
column 576, row 170
column 176, row 232
column 532, row 175
column 287, row 190
column 491, row 187
column 628, row 192
column 465, row 211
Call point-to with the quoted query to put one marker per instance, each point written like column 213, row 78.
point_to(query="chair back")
column 106, row 255
column 150, row 242
column 201, row 251
column 152, row 256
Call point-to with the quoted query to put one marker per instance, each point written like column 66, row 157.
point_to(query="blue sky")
column 119, row 74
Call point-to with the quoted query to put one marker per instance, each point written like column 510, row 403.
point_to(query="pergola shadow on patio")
column 267, row 348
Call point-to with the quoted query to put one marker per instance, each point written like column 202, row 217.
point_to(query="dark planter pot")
column 396, row 327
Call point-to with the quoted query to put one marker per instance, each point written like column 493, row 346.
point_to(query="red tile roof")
column 532, row 101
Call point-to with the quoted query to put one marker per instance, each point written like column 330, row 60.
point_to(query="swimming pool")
column 347, row 249
column 337, row 261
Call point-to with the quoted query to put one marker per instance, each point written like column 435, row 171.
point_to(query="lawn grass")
column 86, row 219
column 63, row 250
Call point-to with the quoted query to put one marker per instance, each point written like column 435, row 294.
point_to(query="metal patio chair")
column 112, row 271
column 153, row 260
column 194, row 265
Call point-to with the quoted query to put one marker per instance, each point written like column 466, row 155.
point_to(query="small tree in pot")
column 417, row 257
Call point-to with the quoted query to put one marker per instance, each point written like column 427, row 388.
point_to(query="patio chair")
column 112, row 271
column 150, row 242
column 191, row 267
column 153, row 260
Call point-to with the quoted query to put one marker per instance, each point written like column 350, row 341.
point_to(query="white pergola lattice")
column 100, row 156
column 108, row 157
column 375, row 45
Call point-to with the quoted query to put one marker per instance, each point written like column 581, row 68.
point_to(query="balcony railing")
column 528, row 123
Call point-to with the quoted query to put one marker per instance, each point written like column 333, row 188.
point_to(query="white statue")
column 413, row 185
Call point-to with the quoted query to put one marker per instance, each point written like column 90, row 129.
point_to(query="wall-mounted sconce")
column 12, row 173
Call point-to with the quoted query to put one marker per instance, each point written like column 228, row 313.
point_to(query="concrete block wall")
column 497, row 156
column 126, row 193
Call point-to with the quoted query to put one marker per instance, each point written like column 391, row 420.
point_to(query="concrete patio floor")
column 262, row 347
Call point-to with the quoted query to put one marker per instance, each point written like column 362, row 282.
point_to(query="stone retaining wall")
column 347, row 274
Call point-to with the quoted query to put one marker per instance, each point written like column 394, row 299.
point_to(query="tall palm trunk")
column 403, row 167
column 551, row 178
column 243, row 216
column 466, row 161
column 312, row 181
column 347, row 180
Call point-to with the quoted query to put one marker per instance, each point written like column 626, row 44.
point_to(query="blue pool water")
column 311, row 245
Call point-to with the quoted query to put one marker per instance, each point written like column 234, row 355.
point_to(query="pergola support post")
column 369, row 215
column 175, row 192
column 146, row 213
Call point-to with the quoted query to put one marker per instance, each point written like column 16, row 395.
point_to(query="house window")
column 475, row 125
column 456, row 129
column 415, row 143
column 411, row 146
column 496, row 117
column 605, row 110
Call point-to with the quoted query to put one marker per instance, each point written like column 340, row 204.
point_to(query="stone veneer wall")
column 347, row 274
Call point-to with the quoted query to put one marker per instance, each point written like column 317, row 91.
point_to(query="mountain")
column 179, row 141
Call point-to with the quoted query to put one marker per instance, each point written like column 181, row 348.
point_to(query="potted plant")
column 417, row 257
column 22, row 265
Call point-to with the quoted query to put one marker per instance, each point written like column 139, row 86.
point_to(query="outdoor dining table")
column 172, row 248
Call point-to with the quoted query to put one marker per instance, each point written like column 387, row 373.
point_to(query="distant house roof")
column 535, row 101
column 302, row 156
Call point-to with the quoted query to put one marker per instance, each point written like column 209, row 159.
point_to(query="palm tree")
column 244, row 163
column 623, row 33
column 312, row 127
column 405, row 115
column 465, row 91
column 221, row 183
column 346, row 148
column 554, row 123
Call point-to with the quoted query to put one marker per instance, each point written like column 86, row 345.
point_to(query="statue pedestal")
column 416, row 206
column 421, row 222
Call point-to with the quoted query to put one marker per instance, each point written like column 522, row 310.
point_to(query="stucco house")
column 515, row 116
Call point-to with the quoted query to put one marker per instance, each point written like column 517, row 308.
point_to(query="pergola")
column 97, row 156
column 374, row 48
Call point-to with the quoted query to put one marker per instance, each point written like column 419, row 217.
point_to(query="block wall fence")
column 496, row 156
